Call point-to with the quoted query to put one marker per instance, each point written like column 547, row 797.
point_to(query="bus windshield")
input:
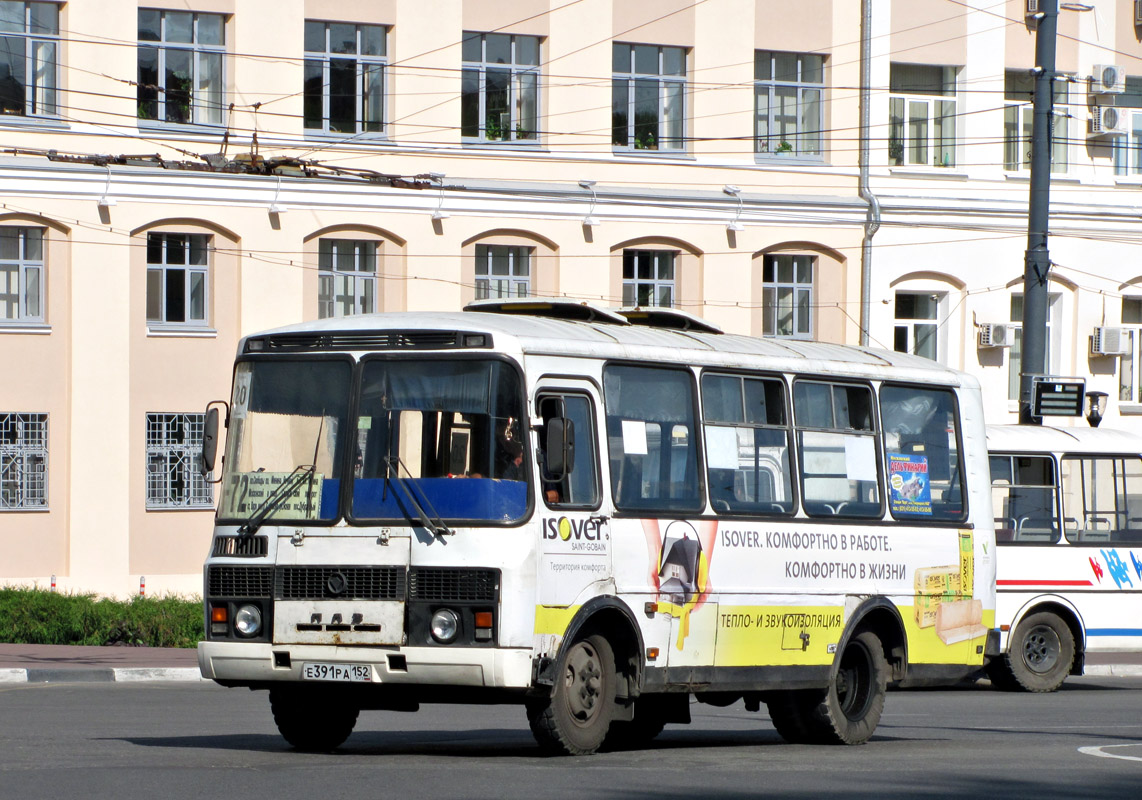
column 420, row 425
column 285, row 450
column 423, row 424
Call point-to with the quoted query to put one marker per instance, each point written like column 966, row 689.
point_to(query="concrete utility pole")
column 1037, row 262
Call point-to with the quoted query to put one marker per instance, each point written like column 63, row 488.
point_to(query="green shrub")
column 34, row 616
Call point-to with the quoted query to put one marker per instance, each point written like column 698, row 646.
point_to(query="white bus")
column 1068, row 507
column 595, row 515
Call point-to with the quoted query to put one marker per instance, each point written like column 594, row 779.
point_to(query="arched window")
column 504, row 263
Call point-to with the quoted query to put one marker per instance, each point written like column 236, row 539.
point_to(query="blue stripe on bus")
column 1114, row 631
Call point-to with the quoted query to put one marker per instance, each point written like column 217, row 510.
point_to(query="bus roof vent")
column 354, row 340
column 553, row 307
column 672, row 318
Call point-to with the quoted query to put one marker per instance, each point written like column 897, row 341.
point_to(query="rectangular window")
column 652, row 439
column 21, row 274
column 916, row 327
column 1024, row 497
column 787, row 296
column 23, row 461
column 789, row 91
column 648, row 278
column 1018, row 96
column 1129, row 390
column 499, row 95
column 1015, row 352
column 503, row 271
column 29, row 59
column 347, row 277
column 578, row 484
column 1128, row 149
column 648, row 91
column 836, row 445
column 747, row 439
column 177, row 275
column 345, row 77
column 180, row 67
column 1102, row 500
column 174, row 453
column 922, row 115
column 921, row 442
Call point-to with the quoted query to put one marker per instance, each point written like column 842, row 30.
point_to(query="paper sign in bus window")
column 860, row 458
column 910, row 491
column 722, row 447
column 634, row 437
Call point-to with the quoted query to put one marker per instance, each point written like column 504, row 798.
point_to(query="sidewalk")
column 24, row 663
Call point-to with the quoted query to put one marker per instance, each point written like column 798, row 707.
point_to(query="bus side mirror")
column 559, row 448
column 210, row 436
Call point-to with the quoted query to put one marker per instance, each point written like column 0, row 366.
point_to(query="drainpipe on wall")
column 872, row 222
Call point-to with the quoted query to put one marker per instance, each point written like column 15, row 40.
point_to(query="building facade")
column 175, row 175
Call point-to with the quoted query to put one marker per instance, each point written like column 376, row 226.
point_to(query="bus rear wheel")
column 1039, row 656
column 575, row 718
column 848, row 711
column 312, row 721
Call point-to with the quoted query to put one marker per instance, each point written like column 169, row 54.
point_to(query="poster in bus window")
column 910, row 491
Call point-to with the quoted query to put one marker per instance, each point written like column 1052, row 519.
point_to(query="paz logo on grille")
column 336, row 584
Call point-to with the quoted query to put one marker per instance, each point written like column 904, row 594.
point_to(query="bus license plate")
column 356, row 673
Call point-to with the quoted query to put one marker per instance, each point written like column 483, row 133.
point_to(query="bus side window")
column 652, row 438
column 1102, row 499
column 921, row 440
column 578, row 485
column 747, row 445
column 836, row 445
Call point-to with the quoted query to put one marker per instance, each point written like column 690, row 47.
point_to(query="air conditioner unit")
column 1108, row 79
column 995, row 334
column 1110, row 342
column 1107, row 121
column 1033, row 7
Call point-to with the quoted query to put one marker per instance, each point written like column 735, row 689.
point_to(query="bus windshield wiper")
column 277, row 497
column 433, row 523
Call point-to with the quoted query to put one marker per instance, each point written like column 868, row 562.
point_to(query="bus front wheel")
column 849, row 710
column 312, row 721
column 1039, row 656
column 575, row 717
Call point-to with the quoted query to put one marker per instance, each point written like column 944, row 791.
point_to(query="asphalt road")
column 175, row 740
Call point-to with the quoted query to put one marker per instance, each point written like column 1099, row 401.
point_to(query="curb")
column 1114, row 671
column 118, row 675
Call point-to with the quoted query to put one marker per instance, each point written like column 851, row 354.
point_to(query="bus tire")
column 789, row 711
column 848, row 711
column 312, row 721
column 649, row 720
column 575, row 718
column 1039, row 655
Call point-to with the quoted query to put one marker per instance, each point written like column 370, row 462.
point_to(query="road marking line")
column 1098, row 751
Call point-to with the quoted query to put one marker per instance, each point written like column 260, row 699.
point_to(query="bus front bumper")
column 239, row 663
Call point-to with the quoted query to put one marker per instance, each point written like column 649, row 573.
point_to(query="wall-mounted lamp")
column 1096, row 407
column 439, row 213
column 590, row 220
column 735, row 223
column 275, row 207
column 106, row 201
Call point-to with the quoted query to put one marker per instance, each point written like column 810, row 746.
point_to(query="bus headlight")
column 445, row 625
column 248, row 620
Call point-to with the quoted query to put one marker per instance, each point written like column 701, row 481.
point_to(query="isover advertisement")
column 574, row 552
column 741, row 594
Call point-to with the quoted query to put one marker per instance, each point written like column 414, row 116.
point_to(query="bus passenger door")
column 575, row 546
